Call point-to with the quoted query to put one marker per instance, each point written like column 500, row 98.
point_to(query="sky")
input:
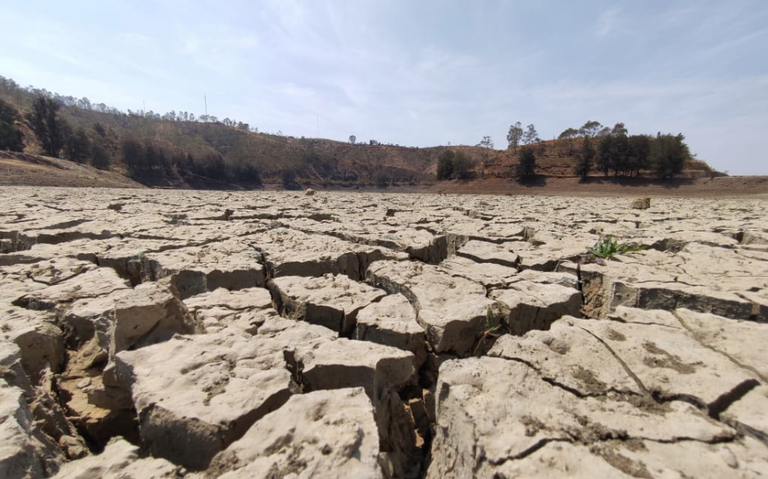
column 415, row 73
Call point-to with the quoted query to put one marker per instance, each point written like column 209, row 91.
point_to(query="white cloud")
column 608, row 22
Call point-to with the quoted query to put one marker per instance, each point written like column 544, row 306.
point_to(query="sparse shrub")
column 47, row 125
column 463, row 166
column 490, row 333
column 11, row 137
column 78, row 146
column 445, row 165
column 607, row 247
column 99, row 156
column 526, row 168
column 289, row 180
column 585, row 159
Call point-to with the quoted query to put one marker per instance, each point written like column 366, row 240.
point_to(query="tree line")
column 593, row 147
column 143, row 158
column 152, row 158
column 28, row 95
column 614, row 150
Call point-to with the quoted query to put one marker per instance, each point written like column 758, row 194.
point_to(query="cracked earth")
column 158, row 334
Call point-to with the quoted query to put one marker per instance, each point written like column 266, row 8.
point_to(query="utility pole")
column 205, row 99
column 318, row 125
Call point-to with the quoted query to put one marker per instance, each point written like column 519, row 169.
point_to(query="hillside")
column 36, row 170
column 173, row 150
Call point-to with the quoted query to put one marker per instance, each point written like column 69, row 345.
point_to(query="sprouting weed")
column 607, row 247
column 489, row 334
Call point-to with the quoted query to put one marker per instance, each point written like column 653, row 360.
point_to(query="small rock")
column 309, row 192
column 641, row 203
column 84, row 383
column 729, row 458
column 115, row 206
column 73, row 447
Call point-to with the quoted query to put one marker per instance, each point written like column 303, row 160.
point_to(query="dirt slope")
column 35, row 170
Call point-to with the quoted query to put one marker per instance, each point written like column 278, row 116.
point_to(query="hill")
column 179, row 150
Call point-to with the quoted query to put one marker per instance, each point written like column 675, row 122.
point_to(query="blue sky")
column 416, row 73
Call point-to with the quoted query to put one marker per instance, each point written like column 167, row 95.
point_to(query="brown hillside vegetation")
column 179, row 150
column 35, row 170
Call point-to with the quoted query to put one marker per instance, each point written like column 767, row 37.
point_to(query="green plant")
column 489, row 334
column 607, row 247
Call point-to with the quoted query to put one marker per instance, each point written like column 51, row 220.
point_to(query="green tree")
column 99, row 156
column 590, row 129
column 133, row 154
column 668, row 154
column 515, row 135
column 99, row 129
column 486, row 143
column 352, row 139
column 567, row 139
column 46, row 124
column 619, row 129
column 613, row 154
column 11, row 137
column 585, row 159
column 639, row 151
column 248, row 173
column 445, row 165
column 289, row 180
column 463, row 166
column 382, row 180
column 530, row 136
column 526, row 168
column 78, row 146
column 216, row 167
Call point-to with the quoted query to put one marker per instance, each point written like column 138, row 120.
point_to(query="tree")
column 486, row 142
column 352, row 139
column 614, row 154
column 604, row 155
column 78, row 146
column 619, row 129
column 99, row 156
column 151, row 156
column 99, row 129
column 11, row 137
column 584, row 163
column 590, row 129
column 463, row 166
column 526, row 168
column 445, row 165
column 46, row 124
column 382, row 180
column 639, row 150
column 567, row 139
column 514, row 135
column 215, row 166
column 289, row 180
column 530, row 136
column 133, row 154
column 668, row 155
